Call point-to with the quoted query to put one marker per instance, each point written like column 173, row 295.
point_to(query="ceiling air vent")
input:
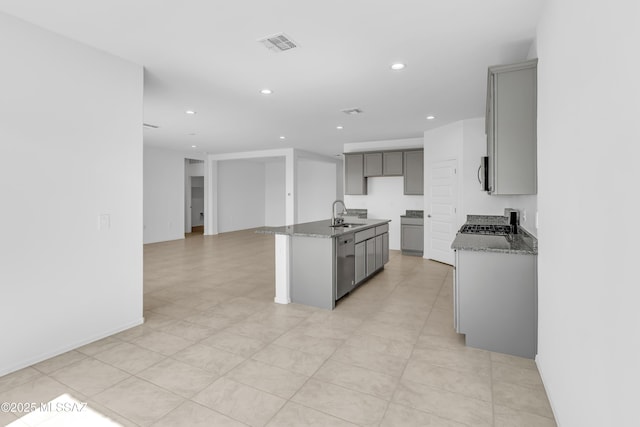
column 278, row 42
column 352, row 111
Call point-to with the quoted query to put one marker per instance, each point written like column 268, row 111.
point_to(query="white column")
column 283, row 270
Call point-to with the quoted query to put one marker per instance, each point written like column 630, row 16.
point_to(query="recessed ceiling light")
column 266, row 91
column 398, row 66
column 192, row 134
column 339, row 127
column 282, row 137
column 194, row 146
column 431, row 117
column 191, row 112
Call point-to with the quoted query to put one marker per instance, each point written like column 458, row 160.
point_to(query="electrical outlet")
column 524, row 215
column 104, row 222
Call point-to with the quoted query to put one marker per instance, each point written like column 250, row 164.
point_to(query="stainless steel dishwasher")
column 345, row 264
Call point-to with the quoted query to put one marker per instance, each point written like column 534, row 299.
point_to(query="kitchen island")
column 495, row 288
column 317, row 263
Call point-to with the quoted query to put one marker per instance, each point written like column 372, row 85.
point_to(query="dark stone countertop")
column 523, row 243
column 413, row 214
column 322, row 228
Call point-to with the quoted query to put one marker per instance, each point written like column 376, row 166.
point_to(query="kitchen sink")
column 345, row 225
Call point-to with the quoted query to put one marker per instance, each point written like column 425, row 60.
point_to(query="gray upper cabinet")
column 373, row 164
column 354, row 181
column 511, row 128
column 414, row 172
column 392, row 163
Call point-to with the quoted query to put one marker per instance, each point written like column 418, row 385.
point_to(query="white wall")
column 316, row 189
column 164, row 195
column 466, row 141
column 74, row 116
column 241, row 195
column 385, row 197
column 275, row 193
column 588, row 152
column 475, row 201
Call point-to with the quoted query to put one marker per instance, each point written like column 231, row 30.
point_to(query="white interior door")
column 440, row 222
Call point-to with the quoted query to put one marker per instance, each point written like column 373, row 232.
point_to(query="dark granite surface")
column 321, row 228
column 413, row 214
column 360, row 213
column 522, row 243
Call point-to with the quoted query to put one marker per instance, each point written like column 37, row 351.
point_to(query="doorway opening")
column 194, row 198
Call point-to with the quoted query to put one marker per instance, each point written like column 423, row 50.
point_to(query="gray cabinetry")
column 511, row 128
column 392, row 163
column 372, row 164
column 385, row 248
column 371, row 256
column 495, row 301
column 414, row 172
column 412, row 236
column 379, row 249
column 371, row 251
column 361, row 261
column 354, row 181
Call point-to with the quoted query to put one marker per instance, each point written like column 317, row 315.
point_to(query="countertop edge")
column 331, row 233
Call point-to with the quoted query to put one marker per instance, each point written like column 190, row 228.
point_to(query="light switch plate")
column 104, row 222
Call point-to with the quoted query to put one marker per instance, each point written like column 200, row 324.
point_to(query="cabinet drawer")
column 381, row 229
column 365, row 234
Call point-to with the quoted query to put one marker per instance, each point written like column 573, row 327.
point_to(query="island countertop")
column 322, row 228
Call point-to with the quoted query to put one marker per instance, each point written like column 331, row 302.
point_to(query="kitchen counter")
column 413, row 214
column 522, row 243
column 321, row 229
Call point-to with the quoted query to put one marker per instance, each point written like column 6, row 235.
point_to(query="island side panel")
column 283, row 269
column 312, row 271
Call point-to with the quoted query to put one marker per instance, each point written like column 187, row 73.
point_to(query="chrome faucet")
column 334, row 220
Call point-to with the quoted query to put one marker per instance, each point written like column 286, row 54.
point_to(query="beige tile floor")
column 216, row 351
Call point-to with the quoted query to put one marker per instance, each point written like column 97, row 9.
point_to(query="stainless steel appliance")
column 345, row 264
column 483, row 174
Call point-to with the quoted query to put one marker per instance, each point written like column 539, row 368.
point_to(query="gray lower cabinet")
column 371, row 256
column 371, row 251
column 385, row 248
column 414, row 172
column 354, row 181
column 379, row 249
column 495, row 301
column 361, row 261
column 511, row 124
column 412, row 236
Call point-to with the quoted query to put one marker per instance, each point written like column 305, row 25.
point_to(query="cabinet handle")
column 428, row 215
column 479, row 169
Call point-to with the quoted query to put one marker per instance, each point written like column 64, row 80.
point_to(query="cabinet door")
column 511, row 132
column 379, row 257
column 412, row 238
column 385, row 248
column 414, row 172
column 373, row 164
column 371, row 256
column 354, row 181
column 361, row 262
column 392, row 164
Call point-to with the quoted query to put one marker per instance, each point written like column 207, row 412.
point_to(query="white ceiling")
column 204, row 55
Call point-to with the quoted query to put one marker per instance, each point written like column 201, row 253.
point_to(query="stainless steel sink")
column 345, row 225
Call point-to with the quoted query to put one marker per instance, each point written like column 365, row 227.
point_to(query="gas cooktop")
column 491, row 229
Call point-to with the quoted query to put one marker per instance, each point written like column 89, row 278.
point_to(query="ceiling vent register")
column 352, row 111
column 278, row 43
